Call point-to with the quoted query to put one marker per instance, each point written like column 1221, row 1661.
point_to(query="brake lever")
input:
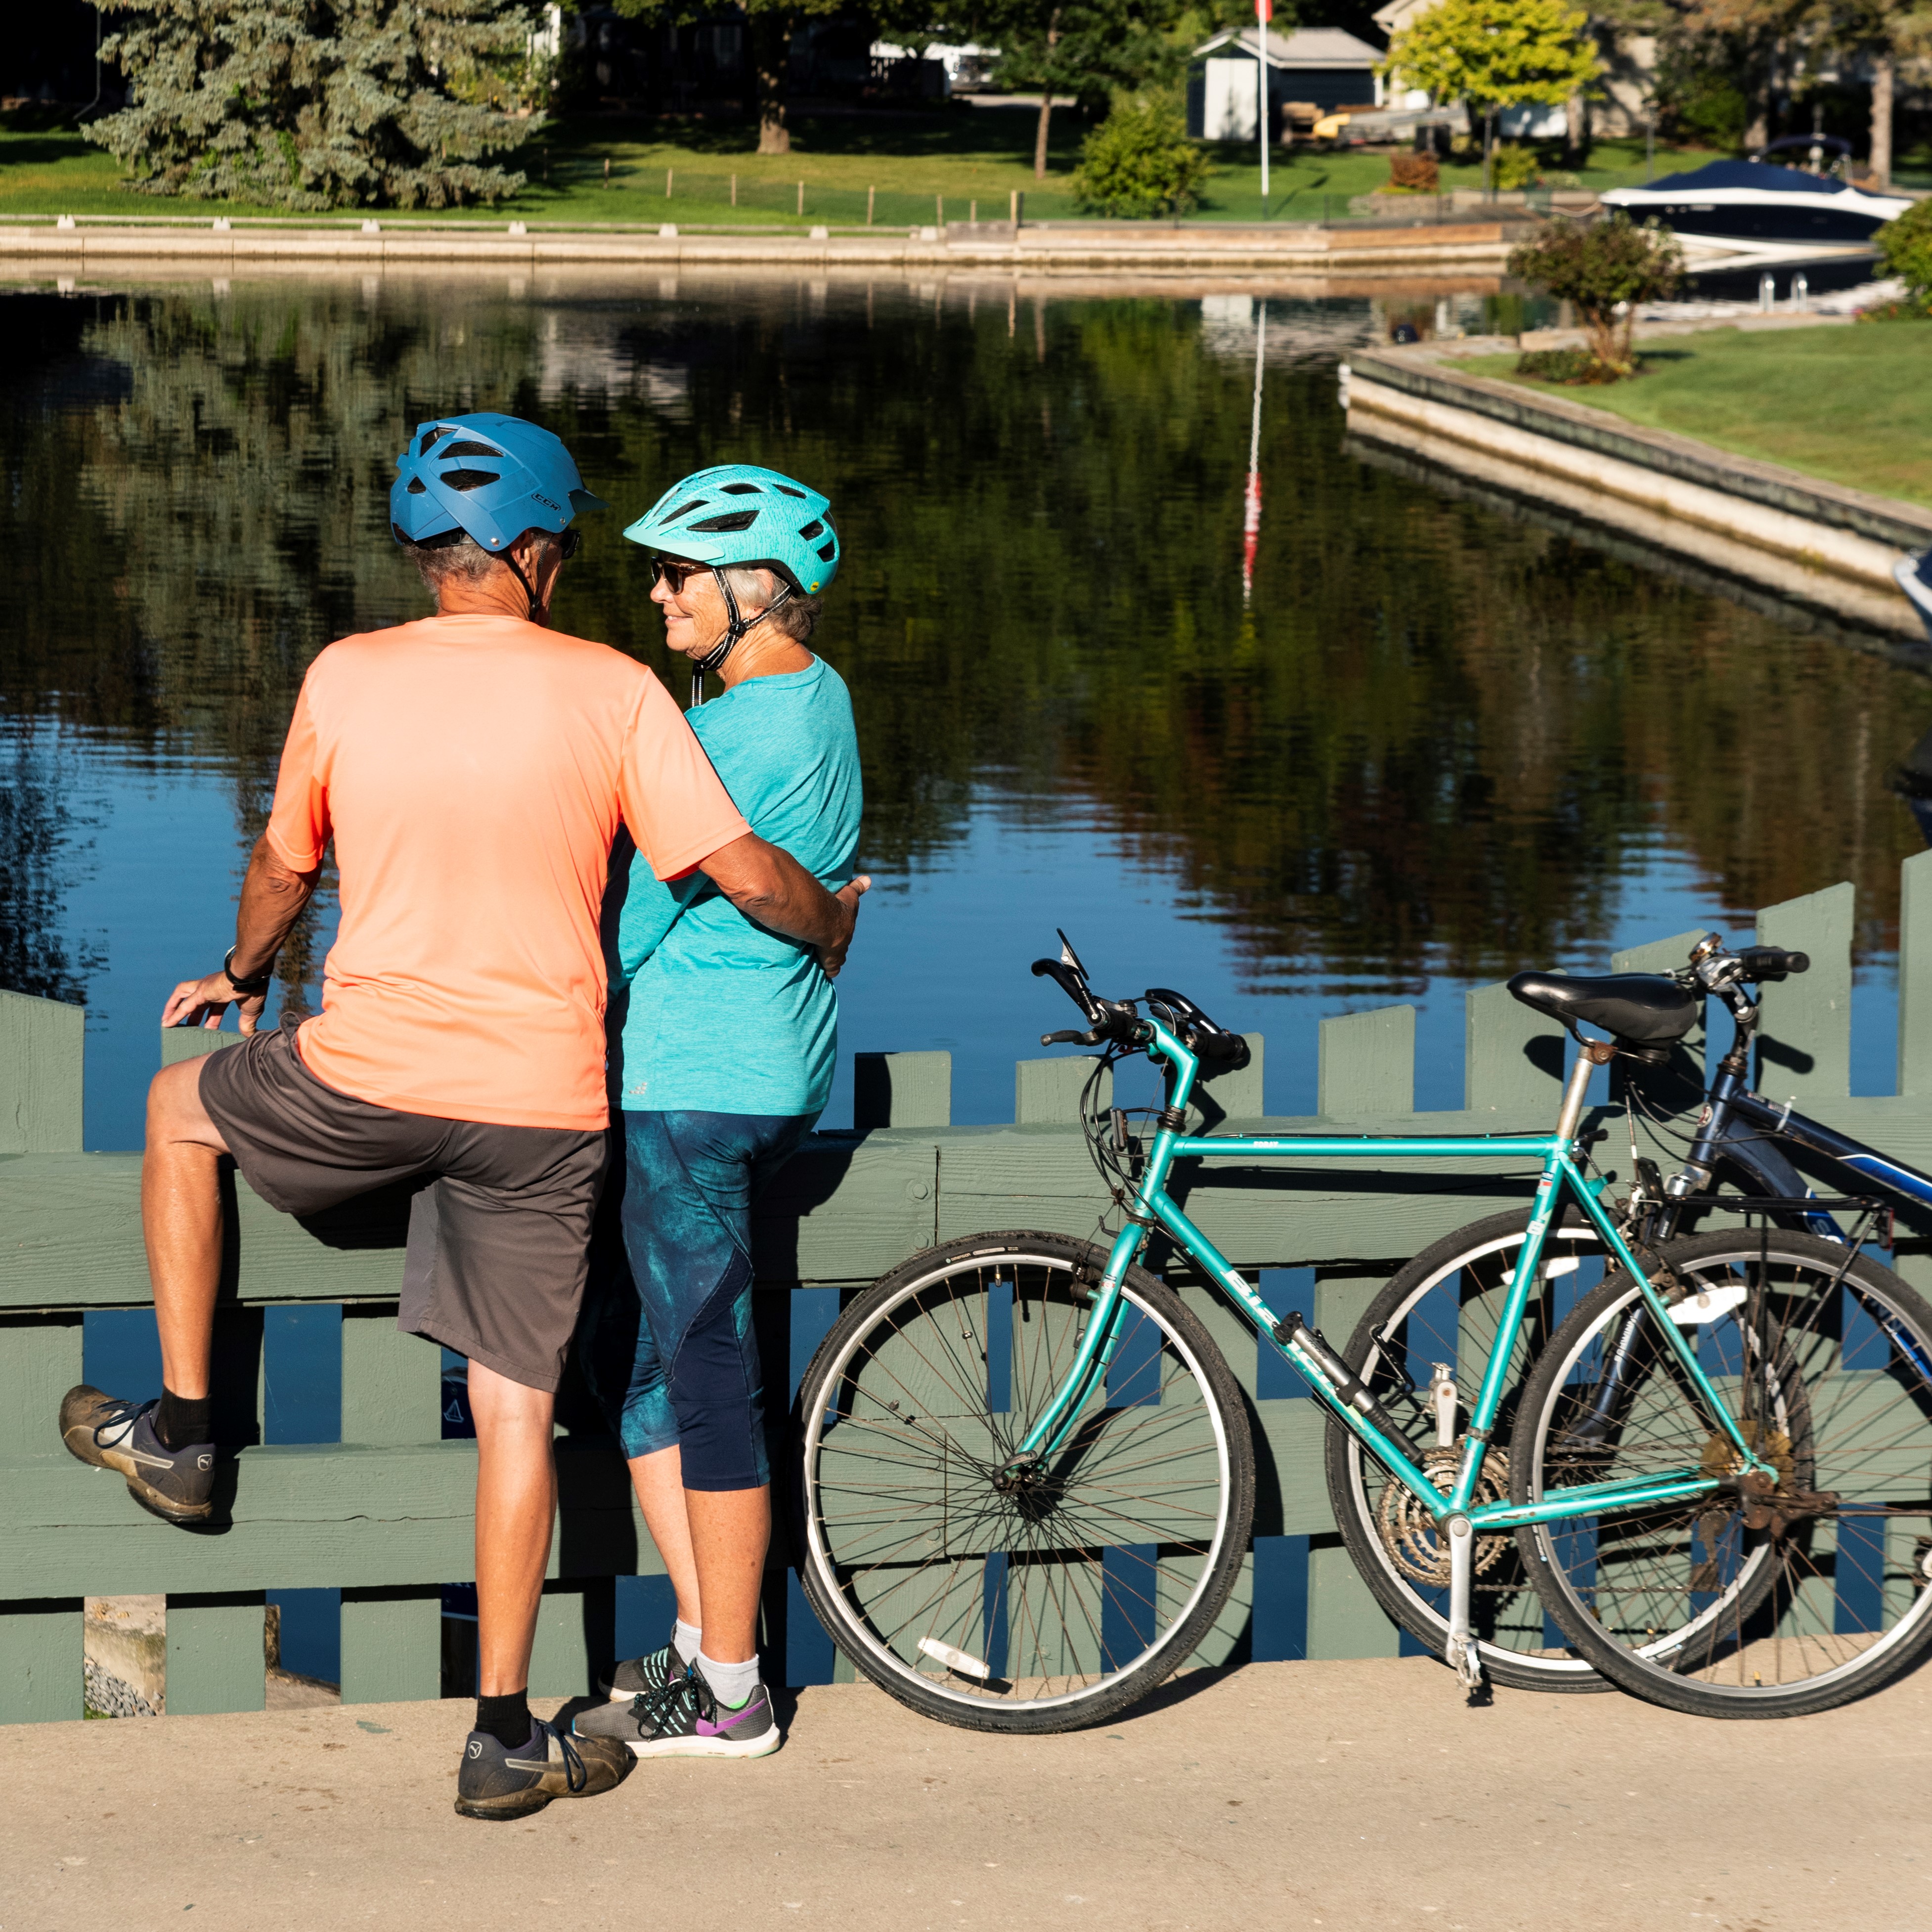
column 1069, row 1036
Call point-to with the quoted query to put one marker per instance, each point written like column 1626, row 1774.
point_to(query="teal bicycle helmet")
column 738, row 516
column 491, row 477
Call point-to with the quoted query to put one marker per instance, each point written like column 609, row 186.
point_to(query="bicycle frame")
column 1453, row 1510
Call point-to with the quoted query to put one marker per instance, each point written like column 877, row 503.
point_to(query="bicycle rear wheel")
column 1056, row 1603
column 1772, row 1602
column 1443, row 1305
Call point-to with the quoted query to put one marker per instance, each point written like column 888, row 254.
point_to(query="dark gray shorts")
column 499, row 1234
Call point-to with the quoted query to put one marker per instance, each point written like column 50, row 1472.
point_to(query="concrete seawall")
column 1357, row 253
column 1819, row 544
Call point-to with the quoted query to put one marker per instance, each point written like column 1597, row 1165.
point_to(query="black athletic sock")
column 506, row 1718
column 178, row 1422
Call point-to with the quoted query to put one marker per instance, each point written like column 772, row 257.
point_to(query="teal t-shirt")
column 710, row 1011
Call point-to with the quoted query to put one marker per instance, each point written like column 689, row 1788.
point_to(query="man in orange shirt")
column 471, row 770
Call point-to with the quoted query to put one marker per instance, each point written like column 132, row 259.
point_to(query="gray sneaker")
column 684, row 1720
column 646, row 1676
column 177, row 1484
column 500, row 1781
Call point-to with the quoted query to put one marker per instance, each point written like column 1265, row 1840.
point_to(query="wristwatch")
column 259, row 983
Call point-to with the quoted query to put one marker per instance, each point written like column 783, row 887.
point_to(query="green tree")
column 1605, row 268
column 1139, row 164
column 1493, row 54
column 315, row 103
column 1085, row 49
column 1905, row 247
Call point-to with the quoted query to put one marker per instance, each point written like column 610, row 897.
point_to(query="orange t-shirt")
column 472, row 771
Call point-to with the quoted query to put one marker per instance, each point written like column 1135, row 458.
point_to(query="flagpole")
column 1264, row 13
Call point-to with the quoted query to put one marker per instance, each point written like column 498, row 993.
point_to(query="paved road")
column 1340, row 1795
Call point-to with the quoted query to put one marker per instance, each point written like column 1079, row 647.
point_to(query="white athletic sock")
column 731, row 1684
column 687, row 1641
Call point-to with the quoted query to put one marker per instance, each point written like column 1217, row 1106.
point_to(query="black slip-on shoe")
column 498, row 1781
column 177, row 1484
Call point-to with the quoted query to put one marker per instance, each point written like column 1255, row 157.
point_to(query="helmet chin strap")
column 735, row 627
column 529, row 595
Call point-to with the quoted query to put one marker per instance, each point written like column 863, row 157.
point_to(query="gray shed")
column 1323, row 66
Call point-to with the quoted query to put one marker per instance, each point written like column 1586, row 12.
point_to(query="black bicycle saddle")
column 1641, row 1007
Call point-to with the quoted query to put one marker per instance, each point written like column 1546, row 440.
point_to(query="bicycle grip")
column 1764, row 963
column 1229, row 1047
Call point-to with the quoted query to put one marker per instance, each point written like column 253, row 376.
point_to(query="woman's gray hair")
column 796, row 618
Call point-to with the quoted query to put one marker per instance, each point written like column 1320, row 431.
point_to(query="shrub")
column 1138, row 163
column 1905, row 247
column 1563, row 365
column 1604, row 268
column 1414, row 174
column 1512, row 166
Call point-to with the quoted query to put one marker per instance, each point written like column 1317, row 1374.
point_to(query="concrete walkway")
column 1341, row 1795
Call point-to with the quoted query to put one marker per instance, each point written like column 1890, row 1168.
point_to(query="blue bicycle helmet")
column 738, row 516
column 492, row 476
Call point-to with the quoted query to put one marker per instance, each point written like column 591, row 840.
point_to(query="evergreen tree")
column 315, row 103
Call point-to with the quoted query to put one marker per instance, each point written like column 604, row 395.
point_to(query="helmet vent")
column 431, row 438
column 685, row 509
column 829, row 551
column 742, row 490
column 815, row 528
column 787, row 489
column 470, row 449
column 417, row 486
column 739, row 519
column 470, row 479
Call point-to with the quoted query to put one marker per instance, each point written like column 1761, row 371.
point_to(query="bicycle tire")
column 1470, row 1266
column 1826, row 1358
column 1051, row 1590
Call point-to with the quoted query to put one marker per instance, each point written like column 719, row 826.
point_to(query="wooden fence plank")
column 41, row 1666
column 192, row 1043
column 576, row 1633
column 1805, row 1039
column 901, row 1090
column 391, row 1382
column 42, row 1045
column 1047, row 1092
column 391, row 1646
column 215, row 1660
column 40, row 1361
column 1915, row 974
column 1512, row 1061
column 1344, row 1619
column 1366, row 1064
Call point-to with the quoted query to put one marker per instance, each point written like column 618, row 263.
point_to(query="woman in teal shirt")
column 723, row 1036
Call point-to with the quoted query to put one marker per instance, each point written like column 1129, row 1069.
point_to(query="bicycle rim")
column 1795, row 1598
column 1449, row 1311
column 1034, row 1601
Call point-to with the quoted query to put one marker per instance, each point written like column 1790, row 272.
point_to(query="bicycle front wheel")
column 1050, row 1603
column 1762, row 1599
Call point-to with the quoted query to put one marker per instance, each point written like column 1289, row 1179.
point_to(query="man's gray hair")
column 457, row 559
column 796, row 618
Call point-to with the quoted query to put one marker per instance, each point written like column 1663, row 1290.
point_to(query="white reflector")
column 954, row 1659
column 1696, row 1309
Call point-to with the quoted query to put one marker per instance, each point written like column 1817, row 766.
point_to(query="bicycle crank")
column 1414, row 1540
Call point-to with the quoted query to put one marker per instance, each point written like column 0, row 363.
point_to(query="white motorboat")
column 1755, row 211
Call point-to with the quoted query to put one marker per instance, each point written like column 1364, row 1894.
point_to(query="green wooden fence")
column 385, row 1513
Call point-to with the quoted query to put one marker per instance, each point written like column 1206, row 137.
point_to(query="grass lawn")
column 1849, row 404
column 909, row 168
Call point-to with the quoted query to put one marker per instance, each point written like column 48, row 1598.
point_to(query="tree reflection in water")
column 1436, row 743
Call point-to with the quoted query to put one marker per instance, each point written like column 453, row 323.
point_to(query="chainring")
column 1408, row 1532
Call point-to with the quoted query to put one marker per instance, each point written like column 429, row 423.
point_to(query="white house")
column 1322, row 66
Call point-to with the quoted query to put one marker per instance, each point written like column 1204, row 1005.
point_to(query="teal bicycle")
column 1027, row 1478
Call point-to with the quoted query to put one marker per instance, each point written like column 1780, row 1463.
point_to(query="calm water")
column 1429, row 744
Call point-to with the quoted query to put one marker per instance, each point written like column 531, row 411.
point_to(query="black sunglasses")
column 675, row 571
column 571, row 543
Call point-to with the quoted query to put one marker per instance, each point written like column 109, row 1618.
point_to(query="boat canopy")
column 1762, row 175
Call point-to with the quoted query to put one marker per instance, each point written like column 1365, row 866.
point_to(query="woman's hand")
column 847, row 897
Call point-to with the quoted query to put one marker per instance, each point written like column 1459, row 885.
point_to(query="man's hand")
column 846, row 899
column 272, row 898
column 202, row 1002
column 767, row 884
